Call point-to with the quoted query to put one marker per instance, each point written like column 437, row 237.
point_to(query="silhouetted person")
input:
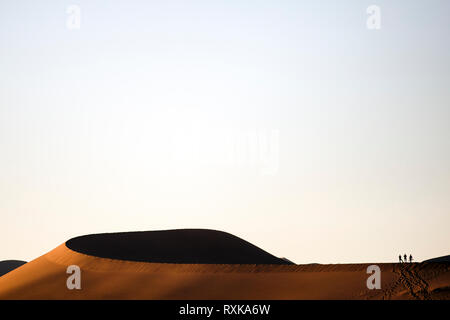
column 400, row 258
column 405, row 257
column 410, row 258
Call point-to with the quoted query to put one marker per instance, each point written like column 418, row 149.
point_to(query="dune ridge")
column 106, row 278
column 445, row 259
column 186, row 246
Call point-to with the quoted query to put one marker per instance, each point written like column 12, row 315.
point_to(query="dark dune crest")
column 9, row 265
column 190, row 246
column 439, row 259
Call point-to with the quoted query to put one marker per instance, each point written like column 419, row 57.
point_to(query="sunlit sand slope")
column 45, row 278
column 205, row 264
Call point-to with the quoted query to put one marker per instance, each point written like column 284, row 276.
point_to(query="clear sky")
column 288, row 123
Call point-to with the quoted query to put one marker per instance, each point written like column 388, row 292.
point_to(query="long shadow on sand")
column 9, row 265
column 174, row 246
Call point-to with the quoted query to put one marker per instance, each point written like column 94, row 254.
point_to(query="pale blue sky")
column 92, row 123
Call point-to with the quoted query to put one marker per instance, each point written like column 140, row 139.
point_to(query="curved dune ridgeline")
column 174, row 246
column 107, row 278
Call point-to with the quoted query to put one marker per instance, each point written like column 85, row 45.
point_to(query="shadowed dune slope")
column 439, row 259
column 225, row 268
column 174, row 246
column 9, row 265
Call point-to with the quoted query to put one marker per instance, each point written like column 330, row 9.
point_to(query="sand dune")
column 9, row 265
column 174, row 246
column 439, row 259
column 106, row 278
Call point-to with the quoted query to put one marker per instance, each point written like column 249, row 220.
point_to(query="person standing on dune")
column 400, row 258
column 410, row 258
column 405, row 257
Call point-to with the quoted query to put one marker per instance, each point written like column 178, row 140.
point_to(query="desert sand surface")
column 106, row 278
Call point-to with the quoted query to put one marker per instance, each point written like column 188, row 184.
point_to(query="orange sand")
column 45, row 278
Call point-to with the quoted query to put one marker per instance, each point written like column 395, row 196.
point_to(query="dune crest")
column 201, row 246
column 106, row 278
